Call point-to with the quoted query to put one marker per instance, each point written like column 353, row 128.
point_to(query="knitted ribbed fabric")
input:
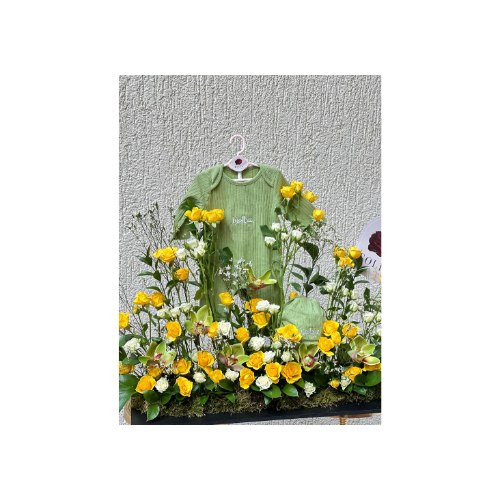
column 307, row 315
column 247, row 205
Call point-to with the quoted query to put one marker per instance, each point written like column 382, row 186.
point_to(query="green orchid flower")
column 305, row 355
column 158, row 353
column 199, row 322
column 233, row 357
column 259, row 283
column 362, row 351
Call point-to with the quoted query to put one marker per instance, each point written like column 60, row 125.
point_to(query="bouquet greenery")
column 182, row 342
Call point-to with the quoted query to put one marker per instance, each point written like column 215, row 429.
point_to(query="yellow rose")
column 252, row 306
column 292, row 372
column 226, row 298
column 154, row 370
column 354, row 253
column 124, row 369
column 352, row 372
column 261, row 319
column 205, row 359
column 326, row 345
column 330, row 327
column 346, row 261
column 213, row 330
column 165, row 254
column 181, row 367
column 216, row 376
column 256, row 360
column 141, row 299
column 157, row 299
column 318, row 214
column 273, row 371
column 145, row 384
column 185, row 386
column 339, row 252
column 220, row 214
column 297, row 186
column 372, row 368
column 194, row 214
column 293, row 295
column 182, row 274
column 123, row 321
column 334, row 383
column 287, row 192
column 173, row 330
column 246, row 378
column 350, row 331
column 242, row 334
column 289, row 332
column 309, row 196
column 212, row 216
column 136, row 309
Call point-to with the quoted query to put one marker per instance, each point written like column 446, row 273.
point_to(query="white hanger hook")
column 241, row 137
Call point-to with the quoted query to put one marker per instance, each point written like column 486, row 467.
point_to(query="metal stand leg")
column 342, row 421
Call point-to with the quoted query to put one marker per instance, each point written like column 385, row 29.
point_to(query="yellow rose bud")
column 372, row 368
column 226, row 298
column 213, row 330
column 354, row 253
column 182, row 274
column 242, row 334
column 339, row 252
column 346, row 261
column 318, row 214
column 154, row 370
column 273, row 371
column 297, row 186
column 288, row 332
column 261, row 319
column 124, row 369
column 185, row 386
column 141, row 299
column 123, row 321
column 145, row 384
column 330, row 327
column 309, row 196
column 157, row 299
column 165, row 254
column 252, row 306
column 326, row 345
column 205, row 359
column 173, row 330
column 194, row 214
column 246, row 378
column 334, row 383
column 216, row 376
column 350, row 331
column 256, row 360
column 136, row 309
column 352, row 372
column 292, row 372
column 181, row 367
column 287, row 192
column 293, row 295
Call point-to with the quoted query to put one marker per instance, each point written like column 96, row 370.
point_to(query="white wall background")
column 322, row 130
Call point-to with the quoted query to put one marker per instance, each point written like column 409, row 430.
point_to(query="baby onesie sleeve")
column 306, row 208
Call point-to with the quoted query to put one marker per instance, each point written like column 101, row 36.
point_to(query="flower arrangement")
column 181, row 341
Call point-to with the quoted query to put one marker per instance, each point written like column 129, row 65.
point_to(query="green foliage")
column 127, row 385
column 153, row 412
column 291, row 391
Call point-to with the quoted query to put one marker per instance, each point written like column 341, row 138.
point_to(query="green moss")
column 251, row 401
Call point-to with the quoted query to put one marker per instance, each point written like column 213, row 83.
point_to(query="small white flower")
column 162, row 385
column 175, row 312
column 163, row 313
column 132, row 345
column 345, row 292
column 185, row 307
column 199, row 377
column 379, row 317
column 297, row 235
column 329, row 287
column 263, row 305
column 309, row 389
column 286, row 356
column 353, row 307
column 268, row 356
column 378, row 331
column 276, row 345
column 181, row 254
column 198, row 252
column 263, row 382
column 354, row 295
column 276, row 227
column 192, row 243
column 368, row 317
column 273, row 308
column 344, row 382
column 231, row 374
column 285, row 236
column 224, row 328
column 256, row 343
column 269, row 241
column 194, row 356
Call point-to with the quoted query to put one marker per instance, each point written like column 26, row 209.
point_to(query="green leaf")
column 360, row 379
column 195, row 283
column 153, row 412
column 273, row 392
column 179, row 397
column 154, row 288
column 122, row 354
column 199, row 294
column 131, row 360
column 319, row 379
column 210, row 385
column 311, row 249
column 366, row 295
column 124, row 339
column 307, row 287
column 156, row 339
column 378, row 352
column 165, row 399
column 373, row 378
column 227, row 384
column 127, row 385
column 296, row 286
column 308, row 377
column 225, row 255
column 254, row 388
column 157, row 276
column 291, row 391
column 297, row 275
column 231, row 398
column 150, row 396
column 359, row 390
column 267, row 400
column 147, row 273
column 204, row 399
column 267, row 232
column 314, row 278
column 300, row 383
column 306, row 270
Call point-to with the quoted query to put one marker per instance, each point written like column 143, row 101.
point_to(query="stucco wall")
column 322, row 130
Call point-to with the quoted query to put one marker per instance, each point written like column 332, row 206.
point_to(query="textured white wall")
column 322, row 130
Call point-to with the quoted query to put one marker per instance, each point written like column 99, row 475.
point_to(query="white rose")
column 297, row 235
column 345, row 292
column 368, row 317
column 162, row 385
column 268, row 356
column 379, row 317
column 273, row 308
column 231, row 375
column 256, row 343
column 344, row 382
column 276, row 345
column 269, row 241
column 286, row 356
column 194, row 356
column 181, row 254
column 163, row 313
column 354, row 295
column 192, row 243
column 198, row 252
column 309, row 389
column 199, row 377
column 132, row 345
column 185, row 307
column 285, row 236
column 224, row 328
column 263, row 305
column 353, row 307
column 378, row 331
column 276, row 227
column 263, row 382
column 329, row 287
column 175, row 312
